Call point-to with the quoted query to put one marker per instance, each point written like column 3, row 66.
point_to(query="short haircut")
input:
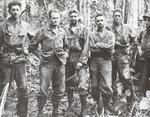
column 53, row 11
column 14, row 3
column 73, row 11
column 99, row 14
column 117, row 10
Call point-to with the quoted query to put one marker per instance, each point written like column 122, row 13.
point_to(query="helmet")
column 146, row 15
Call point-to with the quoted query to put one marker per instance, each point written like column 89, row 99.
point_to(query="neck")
column 15, row 19
column 100, row 29
column 117, row 24
column 73, row 24
column 53, row 26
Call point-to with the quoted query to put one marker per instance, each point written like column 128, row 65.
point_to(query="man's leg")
column 58, row 84
column 20, row 78
column 70, row 84
column 106, row 83
column 45, row 76
column 96, row 92
column 125, row 78
column 83, row 89
column 6, row 75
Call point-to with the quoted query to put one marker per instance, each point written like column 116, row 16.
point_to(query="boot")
column 41, row 99
column 99, row 105
column 56, row 101
column 70, row 98
column 83, row 106
column 55, row 112
column 22, row 106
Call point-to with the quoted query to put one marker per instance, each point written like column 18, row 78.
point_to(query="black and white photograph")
column 74, row 58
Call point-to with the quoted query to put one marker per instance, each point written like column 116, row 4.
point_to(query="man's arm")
column 85, row 52
column 109, row 43
column 1, row 37
column 36, row 40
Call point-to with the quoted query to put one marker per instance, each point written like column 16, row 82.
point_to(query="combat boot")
column 83, row 106
column 70, row 98
column 22, row 106
column 41, row 99
column 55, row 112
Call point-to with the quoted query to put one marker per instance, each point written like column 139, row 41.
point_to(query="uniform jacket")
column 102, row 44
column 144, row 41
column 13, row 40
column 78, row 43
column 125, row 36
column 52, row 44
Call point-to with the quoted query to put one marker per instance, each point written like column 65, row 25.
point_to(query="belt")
column 106, row 56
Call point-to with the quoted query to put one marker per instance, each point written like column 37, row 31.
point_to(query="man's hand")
column 140, row 51
column 118, row 43
column 79, row 65
column 66, row 54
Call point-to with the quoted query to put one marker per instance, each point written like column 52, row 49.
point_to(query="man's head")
column 73, row 16
column 117, row 16
column 14, row 9
column 100, row 20
column 146, row 18
column 54, row 16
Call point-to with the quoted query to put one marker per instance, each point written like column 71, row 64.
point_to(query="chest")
column 51, row 39
column 101, row 37
column 121, row 33
column 14, row 34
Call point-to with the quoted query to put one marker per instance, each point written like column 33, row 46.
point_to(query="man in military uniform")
column 144, row 51
column 124, row 38
column 101, row 47
column 53, row 56
column 76, row 64
column 13, row 34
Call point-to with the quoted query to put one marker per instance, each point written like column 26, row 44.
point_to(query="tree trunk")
column 133, row 14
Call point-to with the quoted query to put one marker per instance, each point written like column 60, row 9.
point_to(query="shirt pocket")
column 74, row 43
column 59, row 41
column 48, row 43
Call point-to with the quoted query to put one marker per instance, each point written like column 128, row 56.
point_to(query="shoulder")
column 62, row 30
column 109, row 33
column 142, row 32
column 126, row 26
column 25, row 24
column 82, row 26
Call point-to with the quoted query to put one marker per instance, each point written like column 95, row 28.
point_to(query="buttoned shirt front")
column 13, row 36
column 52, row 43
column 102, row 42
column 125, row 36
column 77, row 41
column 144, row 41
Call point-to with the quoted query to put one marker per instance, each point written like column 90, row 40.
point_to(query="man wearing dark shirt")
column 76, row 34
column 144, row 51
column 124, row 38
column 13, row 33
column 53, row 54
column 101, row 47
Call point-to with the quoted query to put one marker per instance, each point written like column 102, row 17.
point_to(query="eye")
column 117, row 15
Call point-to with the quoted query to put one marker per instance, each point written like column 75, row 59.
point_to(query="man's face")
column 147, row 22
column 55, row 19
column 15, row 11
column 100, row 21
column 73, row 18
column 117, row 17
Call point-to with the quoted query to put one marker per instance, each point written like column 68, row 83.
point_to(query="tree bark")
column 133, row 14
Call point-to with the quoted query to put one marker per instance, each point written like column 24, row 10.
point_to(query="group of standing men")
column 66, row 53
